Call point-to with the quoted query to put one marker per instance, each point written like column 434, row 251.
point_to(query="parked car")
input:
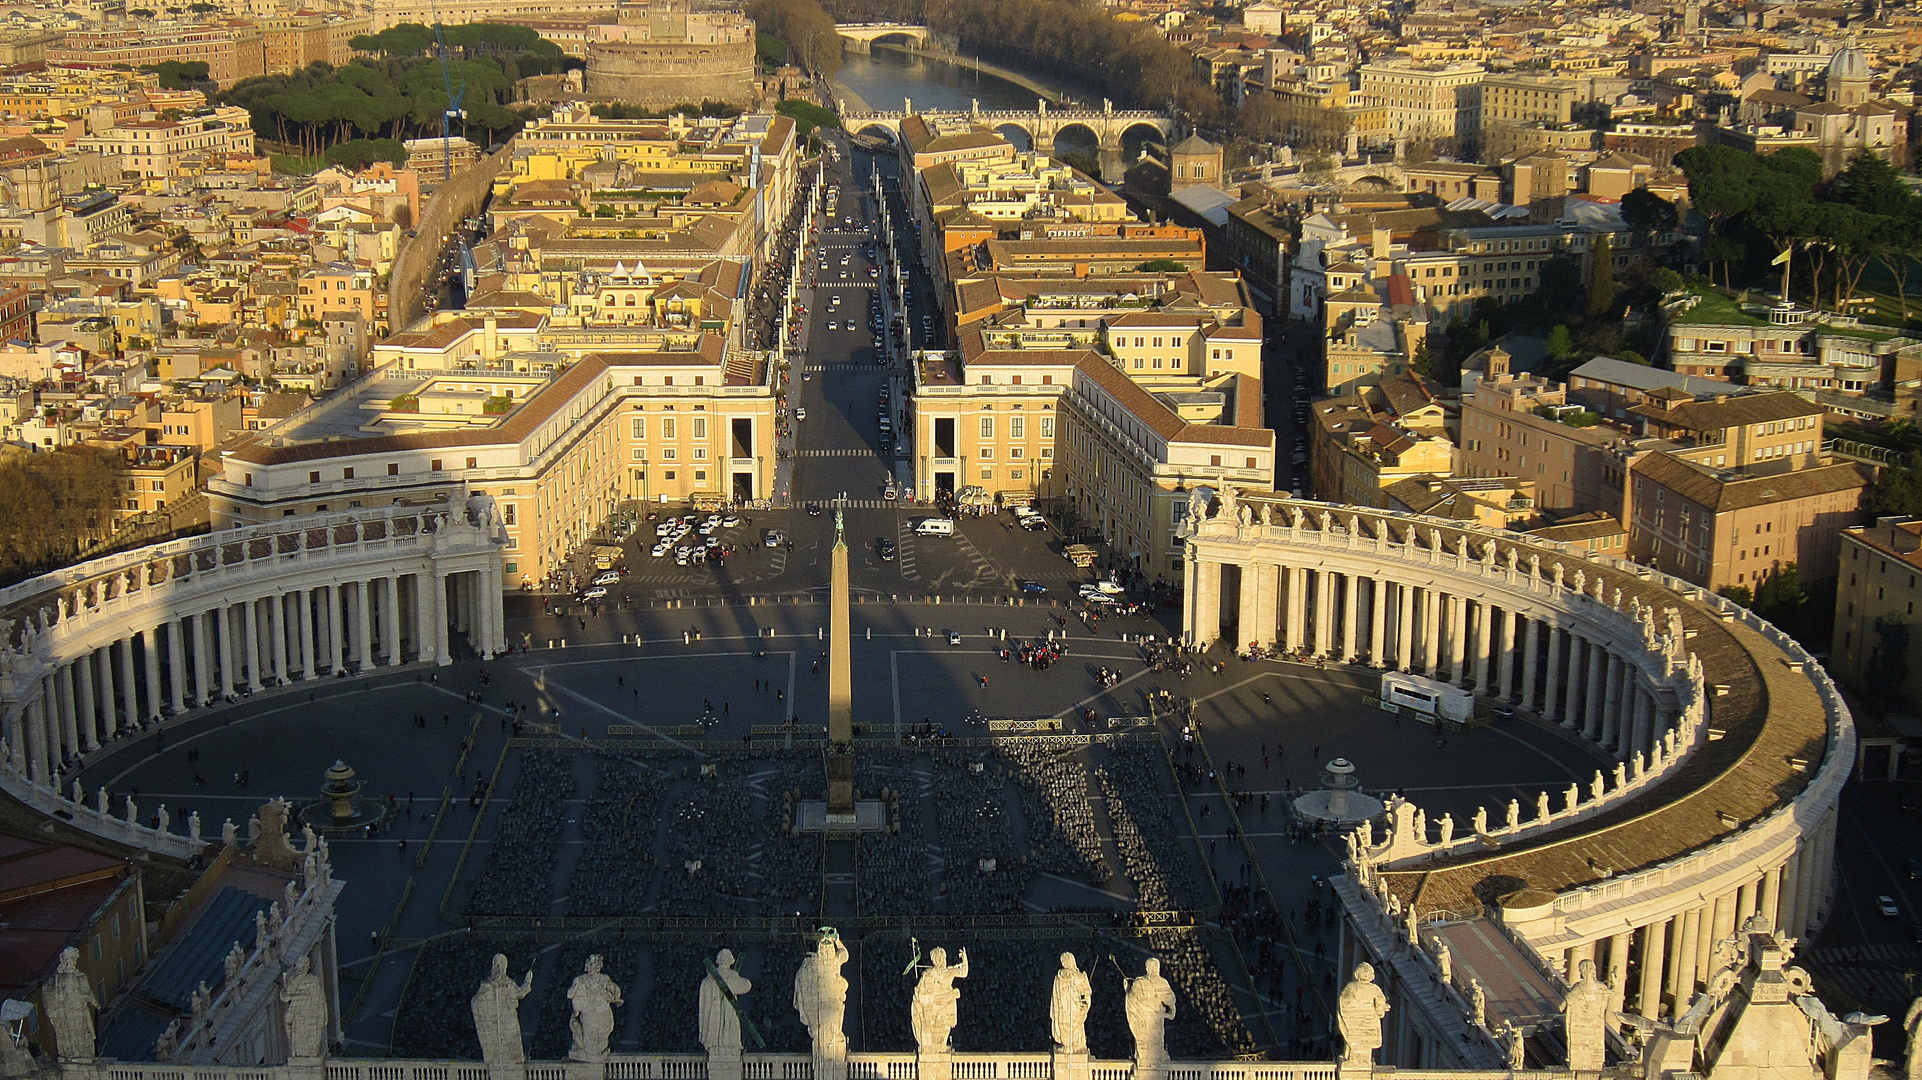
column 1887, row 906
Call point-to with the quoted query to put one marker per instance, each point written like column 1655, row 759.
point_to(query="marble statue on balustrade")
column 1149, row 1004
column 1358, row 1014
column 821, row 997
column 1069, row 1007
column 69, row 1003
column 1585, row 1012
column 303, row 1003
column 720, row 994
column 497, row 1014
column 937, row 1001
column 1912, row 1027
column 593, row 996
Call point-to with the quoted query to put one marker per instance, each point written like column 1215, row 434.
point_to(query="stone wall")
column 660, row 74
column 457, row 199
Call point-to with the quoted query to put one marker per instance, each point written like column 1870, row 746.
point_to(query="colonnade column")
column 1458, row 639
column 1644, row 717
column 1552, row 693
column 1597, row 669
column 390, row 619
column 1612, row 703
column 277, row 635
column 1771, row 898
column 1324, row 610
column 150, row 654
column 177, row 663
column 1377, row 623
column 81, row 673
column 1531, row 659
column 1790, row 904
column 336, row 655
column 109, row 693
column 444, row 656
column 1505, row 655
column 1617, row 973
column 1430, row 630
column 35, row 722
column 1351, row 598
column 363, row 624
column 1297, row 607
column 203, row 674
column 1572, row 704
column 69, row 722
column 250, row 618
column 129, row 689
column 1484, row 631
column 424, row 608
column 223, row 617
column 1248, row 626
column 1404, row 626
column 1682, row 975
column 1648, row 1000
column 303, row 606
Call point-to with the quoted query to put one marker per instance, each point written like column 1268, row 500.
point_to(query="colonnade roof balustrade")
column 1777, row 737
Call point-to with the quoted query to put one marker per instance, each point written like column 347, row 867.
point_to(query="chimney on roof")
column 1721, row 399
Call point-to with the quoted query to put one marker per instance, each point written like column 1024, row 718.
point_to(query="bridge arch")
column 860, row 37
column 1007, row 128
column 878, row 130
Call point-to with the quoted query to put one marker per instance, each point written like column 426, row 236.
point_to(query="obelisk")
column 840, row 809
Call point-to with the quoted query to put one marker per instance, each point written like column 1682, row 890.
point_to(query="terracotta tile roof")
column 1704, row 488
column 1735, row 412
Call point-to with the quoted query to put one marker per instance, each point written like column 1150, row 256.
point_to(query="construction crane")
column 453, row 111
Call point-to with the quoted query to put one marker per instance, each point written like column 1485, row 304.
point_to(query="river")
column 886, row 79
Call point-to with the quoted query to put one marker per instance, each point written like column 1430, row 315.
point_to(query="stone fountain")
column 340, row 808
column 1338, row 803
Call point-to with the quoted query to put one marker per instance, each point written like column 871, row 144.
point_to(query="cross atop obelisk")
column 840, row 764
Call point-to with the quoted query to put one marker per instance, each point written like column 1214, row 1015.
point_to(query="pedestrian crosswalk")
column 835, row 453
column 1869, row 984
column 1856, row 954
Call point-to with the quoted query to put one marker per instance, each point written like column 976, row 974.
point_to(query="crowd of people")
column 616, row 869
column 518, row 876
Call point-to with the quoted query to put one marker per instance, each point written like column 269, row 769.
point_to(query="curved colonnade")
column 101, row 650
column 1729, row 745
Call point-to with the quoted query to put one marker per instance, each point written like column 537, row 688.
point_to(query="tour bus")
column 1428, row 699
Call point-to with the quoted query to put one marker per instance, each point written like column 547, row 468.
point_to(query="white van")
column 934, row 527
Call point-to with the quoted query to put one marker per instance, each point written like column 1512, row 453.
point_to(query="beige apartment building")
column 232, row 51
column 1425, row 101
column 1519, row 425
column 292, row 41
column 199, row 423
column 1879, row 581
column 1762, row 432
column 160, row 148
column 1718, row 528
